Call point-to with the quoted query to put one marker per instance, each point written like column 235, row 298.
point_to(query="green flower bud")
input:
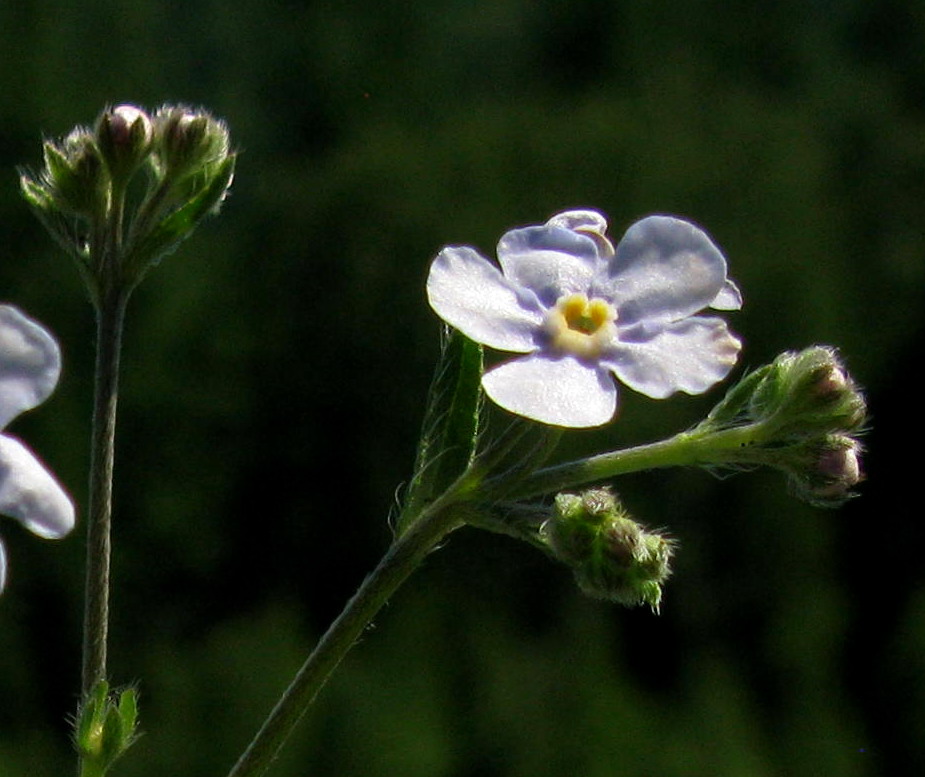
column 123, row 230
column 808, row 392
column 613, row 557
column 73, row 182
column 190, row 141
column 800, row 414
column 124, row 135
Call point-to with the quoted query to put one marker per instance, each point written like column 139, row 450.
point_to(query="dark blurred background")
column 276, row 367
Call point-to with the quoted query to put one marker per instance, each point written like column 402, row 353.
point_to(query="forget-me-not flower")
column 30, row 363
column 584, row 312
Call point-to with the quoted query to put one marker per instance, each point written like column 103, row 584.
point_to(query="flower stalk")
column 687, row 449
column 110, row 320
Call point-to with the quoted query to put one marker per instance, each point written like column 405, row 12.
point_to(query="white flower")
column 29, row 366
column 584, row 313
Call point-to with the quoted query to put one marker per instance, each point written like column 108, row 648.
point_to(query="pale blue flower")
column 584, row 313
column 30, row 363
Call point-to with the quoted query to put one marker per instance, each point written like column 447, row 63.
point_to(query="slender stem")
column 727, row 446
column 402, row 558
column 110, row 317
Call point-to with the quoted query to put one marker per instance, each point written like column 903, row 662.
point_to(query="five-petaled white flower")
column 30, row 363
column 584, row 312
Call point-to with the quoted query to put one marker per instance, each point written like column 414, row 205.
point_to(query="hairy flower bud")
column 73, row 181
column 809, row 392
column 613, row 557
column 830, row 469
column 125, row 225
column 190, row 140
column 800, row 414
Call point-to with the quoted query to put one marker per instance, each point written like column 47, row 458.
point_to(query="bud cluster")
column 120, row 196
column 806, row 414
column 613, row 557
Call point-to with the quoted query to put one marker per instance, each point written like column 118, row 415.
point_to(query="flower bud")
column 190, row 141
column 124, row 135
column 613, row 557
column 800, row 414
column 831, row 468
column 73, row 182
column 809, row 392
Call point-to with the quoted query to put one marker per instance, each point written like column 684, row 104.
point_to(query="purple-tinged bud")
column 809, row 392
column 124, row 135
column 800, row 414
column 833, row 470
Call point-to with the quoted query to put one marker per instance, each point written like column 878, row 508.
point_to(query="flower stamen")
column 581, row 327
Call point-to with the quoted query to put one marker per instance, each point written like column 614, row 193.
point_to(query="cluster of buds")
column 120, row 196
column 613, row 557
column 804, row 413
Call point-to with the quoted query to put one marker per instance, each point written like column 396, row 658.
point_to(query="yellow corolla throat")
column 581, row 327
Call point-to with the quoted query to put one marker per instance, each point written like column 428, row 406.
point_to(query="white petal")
column 587, row 222
column 689, row 356
column 30, row 363
column 551, row 261
column 470, row 293
column 580, row 220
column 665, row 269
column 30, row 494
column 561, row 392
column 2, row 567
column 729, row 297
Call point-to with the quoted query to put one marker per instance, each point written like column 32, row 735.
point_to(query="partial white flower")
column 584, row 313
column 30, row 363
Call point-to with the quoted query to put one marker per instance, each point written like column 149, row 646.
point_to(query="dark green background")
column 276, row 368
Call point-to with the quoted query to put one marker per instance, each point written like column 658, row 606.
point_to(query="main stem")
column 110, row 318
column 402, row 558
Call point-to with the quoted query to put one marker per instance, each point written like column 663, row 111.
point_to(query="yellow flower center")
column 581, row 327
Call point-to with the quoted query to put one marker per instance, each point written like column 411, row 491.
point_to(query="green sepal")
column 128, row 710
column 734, row 408
column 89, row 720
column 450, row 431
column 111, row 738
column 176, row 226
column 105, row 728
column 75, row 177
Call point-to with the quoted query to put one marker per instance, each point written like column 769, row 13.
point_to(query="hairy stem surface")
column 109, row 325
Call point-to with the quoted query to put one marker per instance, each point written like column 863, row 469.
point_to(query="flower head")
column 584, row 313
column 29, row 366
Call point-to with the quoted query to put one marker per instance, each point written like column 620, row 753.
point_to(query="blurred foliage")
column 276, row 368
